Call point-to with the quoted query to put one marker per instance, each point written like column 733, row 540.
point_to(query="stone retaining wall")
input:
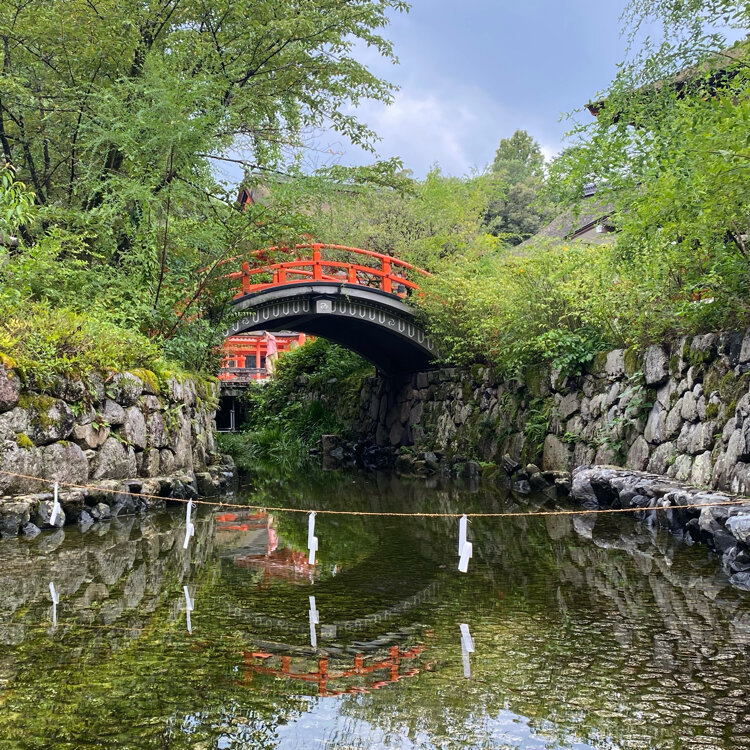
column 158, row 436
column 666, row 503
column 682, row 410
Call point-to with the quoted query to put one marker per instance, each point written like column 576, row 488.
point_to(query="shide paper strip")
column 467, row 647
column 55, row 601
column 312, row 540
column 465, row 548
column 56, row 509
column 188, row 609
column 189, row 528
column 314, row 616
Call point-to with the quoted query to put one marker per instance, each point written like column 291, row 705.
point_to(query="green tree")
column 519, row 158
column 426, row 222
column 519, row 211
column 669, row 148
column 115, row 113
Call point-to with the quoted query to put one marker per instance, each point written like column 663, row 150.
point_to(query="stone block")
column 125, row 388
column 662, row 458
column 681, row 468
column 133, row 429
column 43, row 514
column 664, row 394
column 655, row 365
column 655, row 430
column 739, row 527
column 700, row 474
column 45, row 421
column 90, row 437
column 673, row 423
column 23, row 461
column 556, row 455
column 114, row 461
column 614, row 367
column 10, row 389
column 112, row 413
column 638, row 454
column 689, row 409
column 156, row 431
column 13, row 516
column 568, row 405
column 64, row 462
column 745, row 349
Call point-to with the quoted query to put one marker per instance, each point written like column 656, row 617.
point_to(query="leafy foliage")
column 518, row 213
column 669, row 148
column 421, row 222
column 114, row 116
column 547, row 306
column 281, row 427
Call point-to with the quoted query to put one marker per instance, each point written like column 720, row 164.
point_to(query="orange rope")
column 279, row 509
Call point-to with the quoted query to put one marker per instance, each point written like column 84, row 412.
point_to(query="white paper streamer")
column 462, row 522
column 465, row 549
column 55, row 601
column 312, row 540
column 467, row 647
column 56, row 509
column 189, row 528
column 188, row 609
column 466, row 638
column 314, row 616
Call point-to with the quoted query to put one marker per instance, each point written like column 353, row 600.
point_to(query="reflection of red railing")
column 322, row 675
column 275, row 562
column 384, row 272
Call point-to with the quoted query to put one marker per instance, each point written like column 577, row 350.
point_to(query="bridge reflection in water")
column 396, row 666
column 598, row 636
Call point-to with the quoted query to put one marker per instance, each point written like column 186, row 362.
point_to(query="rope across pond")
column 394, row 514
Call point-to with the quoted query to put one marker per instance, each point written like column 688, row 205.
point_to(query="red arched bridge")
column 352, row 296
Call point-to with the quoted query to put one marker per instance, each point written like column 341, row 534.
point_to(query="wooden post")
column 248, row 673
column 317, row 270
column 386, row 267
column 394, row 663
column 322, row 676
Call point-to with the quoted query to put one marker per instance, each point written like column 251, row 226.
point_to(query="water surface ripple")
column 587, row 635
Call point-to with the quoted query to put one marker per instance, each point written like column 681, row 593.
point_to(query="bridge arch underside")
column 376, row 325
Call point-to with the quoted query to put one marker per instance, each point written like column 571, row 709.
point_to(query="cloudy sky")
column 473, row 71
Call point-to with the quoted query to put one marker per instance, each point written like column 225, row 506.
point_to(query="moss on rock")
column 632, row 361
column 24, row 441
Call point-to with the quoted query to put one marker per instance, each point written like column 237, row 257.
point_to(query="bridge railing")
column 328, row 262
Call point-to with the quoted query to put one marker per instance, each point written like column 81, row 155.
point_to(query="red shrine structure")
column 247, row 356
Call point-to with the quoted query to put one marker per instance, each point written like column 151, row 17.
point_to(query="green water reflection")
column 603, row 636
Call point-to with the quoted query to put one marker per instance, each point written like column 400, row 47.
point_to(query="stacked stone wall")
column 158, row 436
column 682, row 409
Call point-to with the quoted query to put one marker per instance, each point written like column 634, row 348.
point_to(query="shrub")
column 45, row 343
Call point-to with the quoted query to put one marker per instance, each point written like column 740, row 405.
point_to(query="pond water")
column 602, row 635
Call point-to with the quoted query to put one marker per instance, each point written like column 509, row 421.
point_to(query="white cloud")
column 459, row 130
column 423, row 129
column 549, row 152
